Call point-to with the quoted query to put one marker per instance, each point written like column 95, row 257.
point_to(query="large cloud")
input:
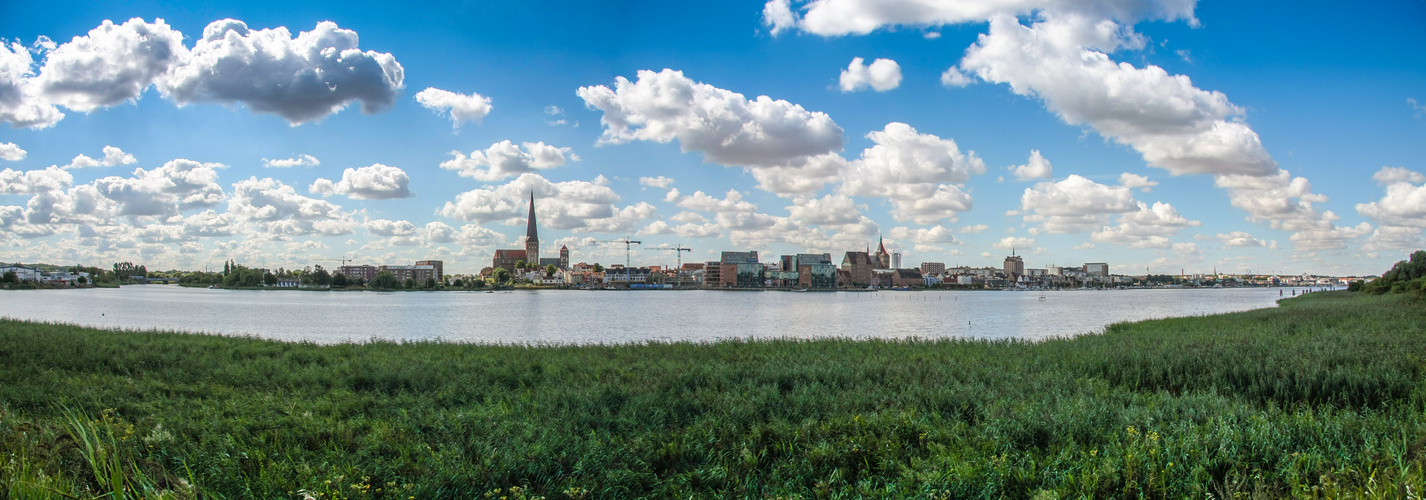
column 726, row 127
column 19, row 103
column 1073, row 205
column 920, row 173
column 1062, row 60
column 859, row 17
column 1036, row 168
column 460, row 107
column 374, row 182
column 301, row 79
column 278, row 210
column 504, row 159
column 177, row 186
column 34, row 181
column 112, row 64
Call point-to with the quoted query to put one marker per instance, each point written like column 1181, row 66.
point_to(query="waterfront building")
column 815, row 270
column 365, row 272
column 933, row 268
column 1096, row 269
column 740, row 269
column 22, row 273
column 896, row 260
column 712, row 273
column 437, row 264
column 903, row 278
column 419, row 274
column 858, row 266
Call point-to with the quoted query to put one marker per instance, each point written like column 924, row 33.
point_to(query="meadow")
column 1323, row 397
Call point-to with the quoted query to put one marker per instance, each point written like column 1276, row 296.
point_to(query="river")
column 595, row 317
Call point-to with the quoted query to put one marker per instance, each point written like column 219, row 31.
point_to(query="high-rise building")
column 1096, row 269
column 896, row 260
column 1014, row 266
column 437, row 264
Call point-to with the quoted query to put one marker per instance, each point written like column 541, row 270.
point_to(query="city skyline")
column 1166, row 135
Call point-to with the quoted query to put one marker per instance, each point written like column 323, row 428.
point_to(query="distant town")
column 734, row 270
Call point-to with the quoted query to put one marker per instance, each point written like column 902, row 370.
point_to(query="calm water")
column 583, row 317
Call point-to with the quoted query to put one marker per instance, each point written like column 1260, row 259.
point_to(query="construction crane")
column 678, row 251
column 343, row 261
column 628, row 248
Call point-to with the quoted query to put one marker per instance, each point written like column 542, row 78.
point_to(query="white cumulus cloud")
column 504, row 159
column 112, row 157
column 460, row 107
column 297, row 161
column 1036, row 168
column 11, row 152
column 374, row 182
column 881, row 75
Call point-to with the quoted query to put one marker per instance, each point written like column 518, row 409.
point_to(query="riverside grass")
column 1323, row 397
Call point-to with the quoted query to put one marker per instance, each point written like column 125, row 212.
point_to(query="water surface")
column 590, row 317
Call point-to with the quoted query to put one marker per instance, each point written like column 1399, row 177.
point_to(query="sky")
column 1163, row 136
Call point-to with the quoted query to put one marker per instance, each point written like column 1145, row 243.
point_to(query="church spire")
column 530, row 233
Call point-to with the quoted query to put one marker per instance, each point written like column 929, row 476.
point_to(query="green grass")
column 1323, row 397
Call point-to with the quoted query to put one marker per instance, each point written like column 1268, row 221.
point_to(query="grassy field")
column 1323, row 397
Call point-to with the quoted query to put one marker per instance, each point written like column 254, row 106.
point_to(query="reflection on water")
column 586, row 317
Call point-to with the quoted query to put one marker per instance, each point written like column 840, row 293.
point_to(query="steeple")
column 532, row 238
column 530, row 233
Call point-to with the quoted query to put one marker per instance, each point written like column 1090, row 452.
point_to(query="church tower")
column 564, row 257
column 883, row 259
column 532, row 239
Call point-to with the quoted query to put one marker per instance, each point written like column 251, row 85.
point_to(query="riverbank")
column 1324, row 396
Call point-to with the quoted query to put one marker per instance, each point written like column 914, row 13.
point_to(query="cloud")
column 1401, row 211
column 918, row 172
column 276, row 209
column 10, row 152
column 731, row 203
column 386, row 227
column 1073, row 205
column 1037, row 168
column 375, row 182
column 1147, row 224
column 726, row 127
column 832, row 209
column 859, row 17
column 177, row 186
column 882, row 75
column 439, row 232
column 660, row 182
column 1411, row 101
column 34, row 181
column 1013, row 243
column 973, row 229
column 460, row 107
column 298, row 161
column 110, row 65
column 1240, row 239
column 1062, row 60
column 504, row 159
column 1393, row 175
column 20, row 104
column 302, row 79
column 112, row 157
column 953, row 77
column 924, row 236
column 573, row 205
column 1133, row 181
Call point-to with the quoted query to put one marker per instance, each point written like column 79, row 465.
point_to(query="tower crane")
column 678, row 251
column 628, row 244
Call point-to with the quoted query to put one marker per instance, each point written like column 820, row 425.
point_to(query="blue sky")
column 1276, row 137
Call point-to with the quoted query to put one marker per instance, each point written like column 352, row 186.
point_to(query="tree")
column 477, row 283
column 550, row 269
column 409, row 284
column 385, row 281
column 320, row 277
column 520, row 264
column 81, row 280
column 598, row 268
column 500, row 276
column 339, row 279
column 269, row 279
column 10, row 277
column 430, row 282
